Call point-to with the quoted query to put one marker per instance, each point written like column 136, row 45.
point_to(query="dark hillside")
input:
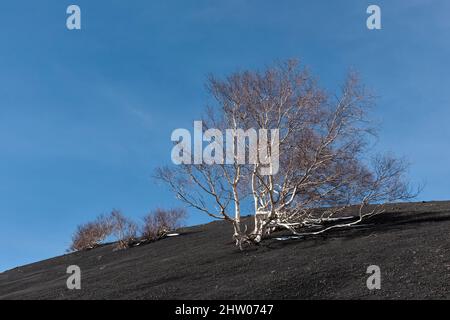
column 410, row 243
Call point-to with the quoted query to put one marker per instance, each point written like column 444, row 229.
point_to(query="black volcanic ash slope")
column 411, row 244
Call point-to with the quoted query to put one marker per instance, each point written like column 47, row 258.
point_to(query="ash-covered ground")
column 410, row 243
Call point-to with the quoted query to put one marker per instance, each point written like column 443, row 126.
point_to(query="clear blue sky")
column 85, row 116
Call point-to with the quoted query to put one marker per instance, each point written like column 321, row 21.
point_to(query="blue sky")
column 85, row 116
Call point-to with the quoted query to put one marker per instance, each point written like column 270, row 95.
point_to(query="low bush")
column 156, row 226
column 160, row 222
column 91, row 234
column 124, row 229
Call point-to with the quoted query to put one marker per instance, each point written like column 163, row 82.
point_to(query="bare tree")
column 161, row 222
column 91, row 234
column 322, row 146
column 124, row 229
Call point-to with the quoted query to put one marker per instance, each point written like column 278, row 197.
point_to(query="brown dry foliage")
column 124, row 229
column 160, row 222
column 91, row 234
column 156, row 226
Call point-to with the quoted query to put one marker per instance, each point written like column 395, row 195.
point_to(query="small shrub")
column 159, row 223
column 90, row 235
column 149, row 230
column 156, row 226
column 124, row 229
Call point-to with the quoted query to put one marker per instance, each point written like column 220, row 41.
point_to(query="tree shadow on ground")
column 380, row 224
